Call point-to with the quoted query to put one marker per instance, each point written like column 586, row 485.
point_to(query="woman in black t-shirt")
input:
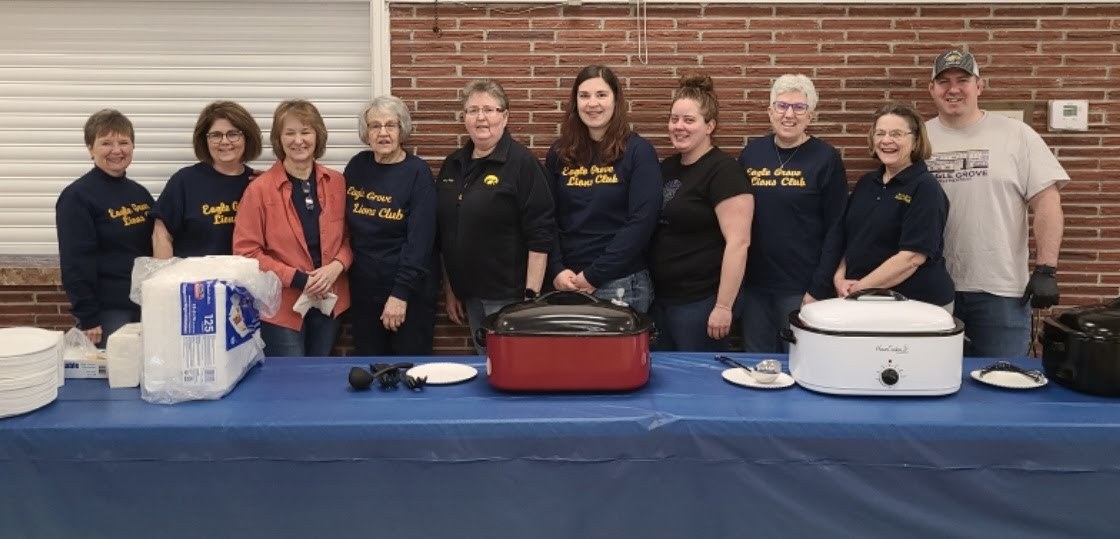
column 699, row 249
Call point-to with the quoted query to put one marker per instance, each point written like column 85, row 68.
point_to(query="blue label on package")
column 197, row 302
column 242, row 319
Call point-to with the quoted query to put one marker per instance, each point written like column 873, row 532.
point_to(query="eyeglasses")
column 893, row 135
column 216, row 136
column 308, row 200
column 487, row 111
column 389, row 126
column 799, row 109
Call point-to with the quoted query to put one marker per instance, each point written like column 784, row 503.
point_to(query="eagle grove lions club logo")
column 490, row 179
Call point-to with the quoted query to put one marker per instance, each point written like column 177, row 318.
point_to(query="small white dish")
column 443, row 372
column 741, row 377
column 1007, row 379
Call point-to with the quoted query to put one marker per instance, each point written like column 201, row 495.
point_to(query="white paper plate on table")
column 20, row 342
column 443, row 373
column 740, row 377
column 28, row 402
column 1007, row 379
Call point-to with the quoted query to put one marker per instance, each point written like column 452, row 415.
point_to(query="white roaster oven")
column 875, row 342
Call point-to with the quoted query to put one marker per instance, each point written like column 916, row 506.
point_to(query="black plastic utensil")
column 1007, row 366
column 415, row 383
column 360, row 379
column 732, row 363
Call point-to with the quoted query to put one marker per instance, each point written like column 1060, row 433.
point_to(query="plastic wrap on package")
column 264, row 286
column 201, row 324
column 77, row 346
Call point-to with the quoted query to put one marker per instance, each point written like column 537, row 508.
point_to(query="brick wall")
column 859, row 56
column 43, row 306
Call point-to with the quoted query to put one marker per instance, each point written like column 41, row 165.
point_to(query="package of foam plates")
column 200, row 324
column 30, row 369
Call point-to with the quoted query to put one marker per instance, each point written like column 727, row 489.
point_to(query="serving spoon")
column 764, row 372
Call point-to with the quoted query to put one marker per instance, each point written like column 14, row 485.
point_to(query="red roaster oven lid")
column 567, row 313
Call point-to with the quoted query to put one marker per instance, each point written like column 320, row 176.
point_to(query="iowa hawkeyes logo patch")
column 490, row 179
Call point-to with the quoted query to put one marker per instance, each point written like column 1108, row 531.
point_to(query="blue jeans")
column 314, row 339
column 635, row 290
column 994, row 326
column 684, row 327
column 413, row 338
column 113, row 319
column 477, row 311
column 764, row 315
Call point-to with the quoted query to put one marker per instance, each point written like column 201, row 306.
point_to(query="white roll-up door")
column 160, row 62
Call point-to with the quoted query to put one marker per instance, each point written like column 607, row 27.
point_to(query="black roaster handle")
column 786, row 335
column 567, row 297
column 480, row 337
column 878, row 292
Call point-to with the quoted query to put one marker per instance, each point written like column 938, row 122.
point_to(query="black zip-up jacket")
column 491, row 212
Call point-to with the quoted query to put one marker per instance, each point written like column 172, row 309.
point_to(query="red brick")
column 18, row 297
column 883, row 36
column 784, row 24
column 739, row 11
column 1028, row 11
column 630, row 24
column 1063, row 47
column 565, row 24
column 1077, row 24
column 493, row 23
column 1092, row 35
column 1106, row 11
column 1023, row 24
column 598, row 10
column 883, row 11
column 714, row 24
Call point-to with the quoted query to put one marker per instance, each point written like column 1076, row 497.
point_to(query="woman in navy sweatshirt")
column 196, row 210
column 103, row 225
column 391, row 212
column 606, row 182
column 800, row 188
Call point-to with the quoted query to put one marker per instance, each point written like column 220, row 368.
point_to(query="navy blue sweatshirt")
column 391, row 212
column 795, row 206
column 491, row 212
column 198, row 206
column 906, row 214
column 103, row 225
column 605, row 214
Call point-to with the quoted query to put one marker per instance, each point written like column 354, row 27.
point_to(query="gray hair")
column 386, row 103
column 486, row 86
column 795, row 83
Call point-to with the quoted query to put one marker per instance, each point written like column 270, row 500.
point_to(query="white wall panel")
column 160, row 62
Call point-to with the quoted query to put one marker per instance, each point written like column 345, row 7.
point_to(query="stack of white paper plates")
column 30, row 368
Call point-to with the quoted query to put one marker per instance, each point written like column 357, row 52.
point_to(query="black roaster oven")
column 1081, row 348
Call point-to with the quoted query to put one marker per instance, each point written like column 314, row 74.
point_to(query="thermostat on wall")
column 1069, row 115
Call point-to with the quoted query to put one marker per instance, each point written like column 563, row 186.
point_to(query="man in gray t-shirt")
column 993, row 169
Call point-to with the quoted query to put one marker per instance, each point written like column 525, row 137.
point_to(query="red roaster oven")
column 567, row 341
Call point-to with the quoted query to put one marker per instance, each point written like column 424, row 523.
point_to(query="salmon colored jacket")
column 268, row 229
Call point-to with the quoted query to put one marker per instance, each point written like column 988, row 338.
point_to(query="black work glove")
column 1042, row 289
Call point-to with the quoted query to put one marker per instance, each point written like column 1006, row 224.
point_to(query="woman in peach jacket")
column 292, row 220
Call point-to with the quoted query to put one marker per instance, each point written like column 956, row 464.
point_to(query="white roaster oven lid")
column 880, row 311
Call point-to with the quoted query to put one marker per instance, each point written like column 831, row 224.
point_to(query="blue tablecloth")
column 293, row 452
